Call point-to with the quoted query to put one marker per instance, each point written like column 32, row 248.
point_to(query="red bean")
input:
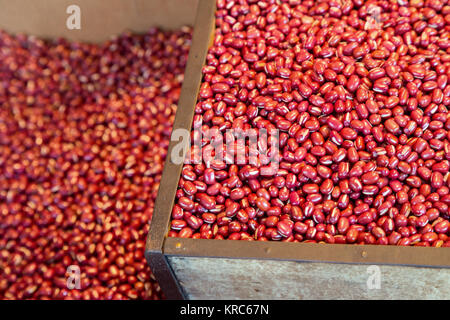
column 442, row 227
column 362, row 153
column 178, row 224
column 262, row 204
column 237, row 194
column 206, row 201
column 310, row 188
column 186, row 203
column 429, row 237
column 353, row 83
column 284, row 228
column 89, row 126
column 343, row 225
column 209, row 177
column 370, row 177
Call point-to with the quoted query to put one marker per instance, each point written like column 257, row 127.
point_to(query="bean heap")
column 84, row 130
column 359, row 93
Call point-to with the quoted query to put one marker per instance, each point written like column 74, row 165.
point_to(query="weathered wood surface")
column 218, row 278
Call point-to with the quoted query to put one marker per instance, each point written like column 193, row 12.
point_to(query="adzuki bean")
column 361, row 105
column 84, row 131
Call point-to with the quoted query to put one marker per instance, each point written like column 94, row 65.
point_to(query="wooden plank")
column 166, row 279
column 220, row 278
column 311, row 252
column 99, row 19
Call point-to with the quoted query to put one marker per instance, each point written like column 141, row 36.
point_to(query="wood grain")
column 218, row 278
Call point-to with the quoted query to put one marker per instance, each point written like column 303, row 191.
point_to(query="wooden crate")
column 226, row 269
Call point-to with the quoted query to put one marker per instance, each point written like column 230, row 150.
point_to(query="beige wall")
column 99, row 18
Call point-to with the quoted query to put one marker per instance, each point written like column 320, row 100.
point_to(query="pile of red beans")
column 84, row 131
column 359, row 93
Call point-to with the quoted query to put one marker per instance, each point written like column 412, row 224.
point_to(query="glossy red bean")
column 361, row 117
column 442, row 227
column 89, row 126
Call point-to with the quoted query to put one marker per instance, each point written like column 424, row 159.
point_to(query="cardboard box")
column 100, row 19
